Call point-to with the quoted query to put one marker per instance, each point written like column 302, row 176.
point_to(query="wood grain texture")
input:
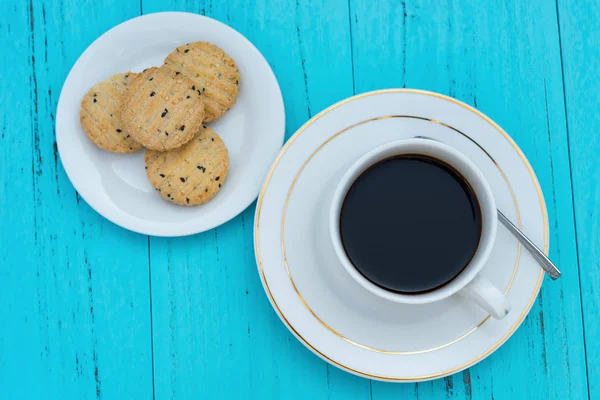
column 91, row 310
column 74, row 293
column 580, row 43
column 504, row 59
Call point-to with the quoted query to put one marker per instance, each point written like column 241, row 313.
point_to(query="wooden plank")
column 504, row 59
column 580, row 46
column 215, row 333
column 74, row 293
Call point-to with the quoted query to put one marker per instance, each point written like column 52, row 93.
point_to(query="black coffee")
column 410, row 223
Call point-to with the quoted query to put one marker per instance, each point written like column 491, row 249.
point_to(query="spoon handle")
column 544, row 261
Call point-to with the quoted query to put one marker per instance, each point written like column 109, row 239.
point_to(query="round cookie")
column 191, row 174
column 100, row 115
column 214, row 73
column 162, row 109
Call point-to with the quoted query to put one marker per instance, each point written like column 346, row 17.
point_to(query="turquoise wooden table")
column 90, row 310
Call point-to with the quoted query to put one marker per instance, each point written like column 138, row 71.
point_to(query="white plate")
column 115, row 185
column 332, row 314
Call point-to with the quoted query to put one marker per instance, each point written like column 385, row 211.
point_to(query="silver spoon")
column 535, row 251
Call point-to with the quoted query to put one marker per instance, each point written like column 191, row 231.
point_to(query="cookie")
column 191, row 174
column 214, row 73
column 162, row 109
column 100, row 115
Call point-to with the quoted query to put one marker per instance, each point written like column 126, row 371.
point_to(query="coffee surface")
column 410, row 223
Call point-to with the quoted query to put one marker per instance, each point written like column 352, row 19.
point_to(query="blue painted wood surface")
column 89, row 310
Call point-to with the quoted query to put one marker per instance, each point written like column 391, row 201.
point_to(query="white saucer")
column 115, row 185
column 332, row 314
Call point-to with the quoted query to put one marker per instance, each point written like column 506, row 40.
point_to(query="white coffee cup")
column 469, row 283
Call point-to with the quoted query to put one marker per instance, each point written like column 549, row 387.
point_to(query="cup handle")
column 487, row 296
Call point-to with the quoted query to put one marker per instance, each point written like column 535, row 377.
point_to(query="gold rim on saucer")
column 289, row 325
column 285, row 262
